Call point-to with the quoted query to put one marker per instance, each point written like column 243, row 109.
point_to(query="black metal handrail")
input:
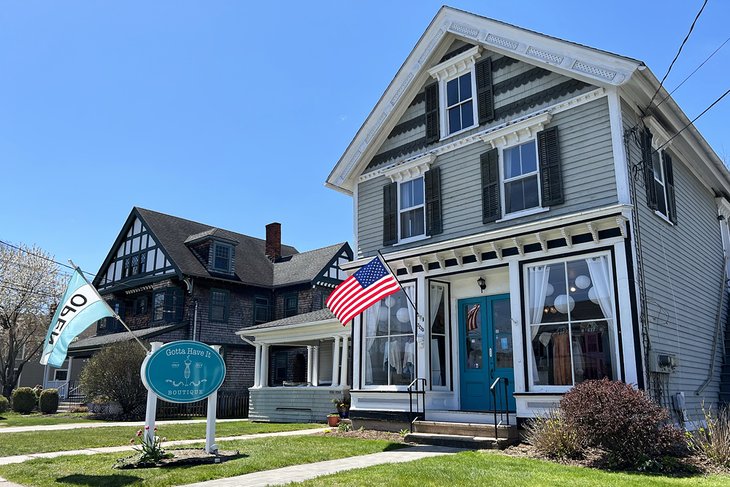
column 493, row 390
column 422, row 392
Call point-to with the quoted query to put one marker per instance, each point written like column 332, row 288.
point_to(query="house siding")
column 683, row 269
column 588, row 181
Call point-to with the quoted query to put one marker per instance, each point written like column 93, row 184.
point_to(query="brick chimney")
column 273, row 240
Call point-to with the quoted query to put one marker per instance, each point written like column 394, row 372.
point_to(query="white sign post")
column 210, row 446
column 151, row 413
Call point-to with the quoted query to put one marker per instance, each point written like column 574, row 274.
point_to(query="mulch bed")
column 184, row 457
column 365, row 435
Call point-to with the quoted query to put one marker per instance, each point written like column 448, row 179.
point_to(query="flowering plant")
column 150, row 446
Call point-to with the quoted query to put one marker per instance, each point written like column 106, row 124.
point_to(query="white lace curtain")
column 601, row 280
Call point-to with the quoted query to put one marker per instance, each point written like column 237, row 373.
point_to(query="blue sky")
column 233, row 113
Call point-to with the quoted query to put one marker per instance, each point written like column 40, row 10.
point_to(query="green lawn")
column 46, row 441
column 10, row 418
column 492, row 468
column 259, row 454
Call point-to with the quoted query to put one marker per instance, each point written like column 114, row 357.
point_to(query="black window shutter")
column 390, row 214
column 433, row 127
column 485, row 94
column 551, row 175
column 669, row 183
column 434, row 225
column 491, row 207
column 646, row 158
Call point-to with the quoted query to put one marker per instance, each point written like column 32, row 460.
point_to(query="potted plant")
column 343, row 406
column 333, row 419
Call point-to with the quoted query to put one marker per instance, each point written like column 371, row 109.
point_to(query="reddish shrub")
column 620, row 420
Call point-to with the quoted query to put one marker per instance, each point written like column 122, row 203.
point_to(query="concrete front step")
column 459, row 441
column 465, row 429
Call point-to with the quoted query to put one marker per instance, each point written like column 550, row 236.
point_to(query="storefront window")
column 390, row 352
column 571, row 321
column 439, row 333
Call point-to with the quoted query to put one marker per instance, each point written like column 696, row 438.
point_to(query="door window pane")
column 502, row 323
column 473, row 336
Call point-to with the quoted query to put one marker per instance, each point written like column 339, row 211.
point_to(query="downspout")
column 195, row 319
column 704, row 385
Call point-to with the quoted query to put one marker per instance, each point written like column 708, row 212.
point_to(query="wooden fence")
column 230, row 405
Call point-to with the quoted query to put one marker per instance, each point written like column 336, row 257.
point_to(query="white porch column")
column 343, row 369
column 257, row 366
column 315, row 366
column 335, row 360
column 264, row 365
column 309, row 365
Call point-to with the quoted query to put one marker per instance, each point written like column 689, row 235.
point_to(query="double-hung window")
column 222, row 257
column 218, row 305
column 660, row 182
column 411, row 210
column 520, row 177
column 459, row 103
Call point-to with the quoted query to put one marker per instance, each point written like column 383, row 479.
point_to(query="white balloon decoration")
column 389, row 301
column 582, row 282
column 403, row 315
column 593, row 295
column 549, row 289
column 563, row 303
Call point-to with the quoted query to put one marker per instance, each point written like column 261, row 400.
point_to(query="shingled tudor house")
column 174, row 279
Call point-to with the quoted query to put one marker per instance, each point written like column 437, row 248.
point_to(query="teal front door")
column 485, row 351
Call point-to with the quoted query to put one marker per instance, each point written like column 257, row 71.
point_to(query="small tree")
column 114, row 373
column 48, row 401
column 31, row 288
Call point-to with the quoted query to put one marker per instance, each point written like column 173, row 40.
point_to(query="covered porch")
column 302, row 364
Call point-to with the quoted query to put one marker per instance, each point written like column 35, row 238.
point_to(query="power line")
column 44, row 257
column 693, row 72
column 691, row 28
column 693, row 121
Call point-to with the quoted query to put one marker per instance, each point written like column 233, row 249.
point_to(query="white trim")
column 661, row 136
column 516, row 133
column 444, row 104
column 529, row 121
column 400, row 211
column 620, row 164
column 519, row 214
column 410, row 169
column 457, row 65
column 625, row 314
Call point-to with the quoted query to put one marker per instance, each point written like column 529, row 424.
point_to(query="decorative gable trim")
column 660, row 135
column 516, row 133
column 410, row 168
column 570, row 59
column 456, row 65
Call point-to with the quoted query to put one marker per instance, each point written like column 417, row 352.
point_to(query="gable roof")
column 323, row 314
column 252, row 266
column 594, row 66
column 306, row 266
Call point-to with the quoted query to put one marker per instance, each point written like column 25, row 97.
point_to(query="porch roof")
column 96, row 342
column 316, row 325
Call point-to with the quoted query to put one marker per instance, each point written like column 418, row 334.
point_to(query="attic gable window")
column 222, row 254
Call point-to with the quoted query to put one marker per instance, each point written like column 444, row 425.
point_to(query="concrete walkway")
column 299, row 473
column 73, row 426
column 117, row 449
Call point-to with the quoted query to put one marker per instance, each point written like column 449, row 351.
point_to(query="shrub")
column 552, row 437
column 4, row 404
column 114, row 373
column 713, row 439
column 620, row 420
column 24, row 400
column 48, row 401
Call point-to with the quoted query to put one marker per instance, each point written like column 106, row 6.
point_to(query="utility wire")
column 692, row 122
column 44, row 257
column 691, row 28
column 693, row 72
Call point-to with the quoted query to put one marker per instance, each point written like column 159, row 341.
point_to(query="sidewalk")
column 116, row 449
column 73, row 426
column 299, row 473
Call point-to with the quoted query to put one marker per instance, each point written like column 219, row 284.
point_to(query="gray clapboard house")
column 550, row 223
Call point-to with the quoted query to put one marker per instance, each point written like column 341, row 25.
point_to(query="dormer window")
column 459, row 103
column 222, row 257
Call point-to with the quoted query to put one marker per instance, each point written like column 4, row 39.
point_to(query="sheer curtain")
column 371, row 329
column 537, row 283
column 601, row 278
column 437, row 294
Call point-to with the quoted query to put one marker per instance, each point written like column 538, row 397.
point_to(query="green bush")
column 621, row 421
column 552, row 437
column 4, row 404
column 712, row 440
column 24, row 400
column 48, row 401
column 114, row 373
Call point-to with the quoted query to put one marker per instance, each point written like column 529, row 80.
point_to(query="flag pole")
column 114, row 313
column 418, row 315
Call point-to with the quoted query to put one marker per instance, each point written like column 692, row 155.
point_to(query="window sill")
column 520, row 214
column 411, row 240
column 663, row 217
column 447, row 137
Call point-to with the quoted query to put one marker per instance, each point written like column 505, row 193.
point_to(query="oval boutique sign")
column 184, row 371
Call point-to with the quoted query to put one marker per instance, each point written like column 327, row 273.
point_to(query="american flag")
column 471, row 317
column 361, row 290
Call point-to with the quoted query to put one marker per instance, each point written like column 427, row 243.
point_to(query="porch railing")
column 413, row 389
column 505, row 400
